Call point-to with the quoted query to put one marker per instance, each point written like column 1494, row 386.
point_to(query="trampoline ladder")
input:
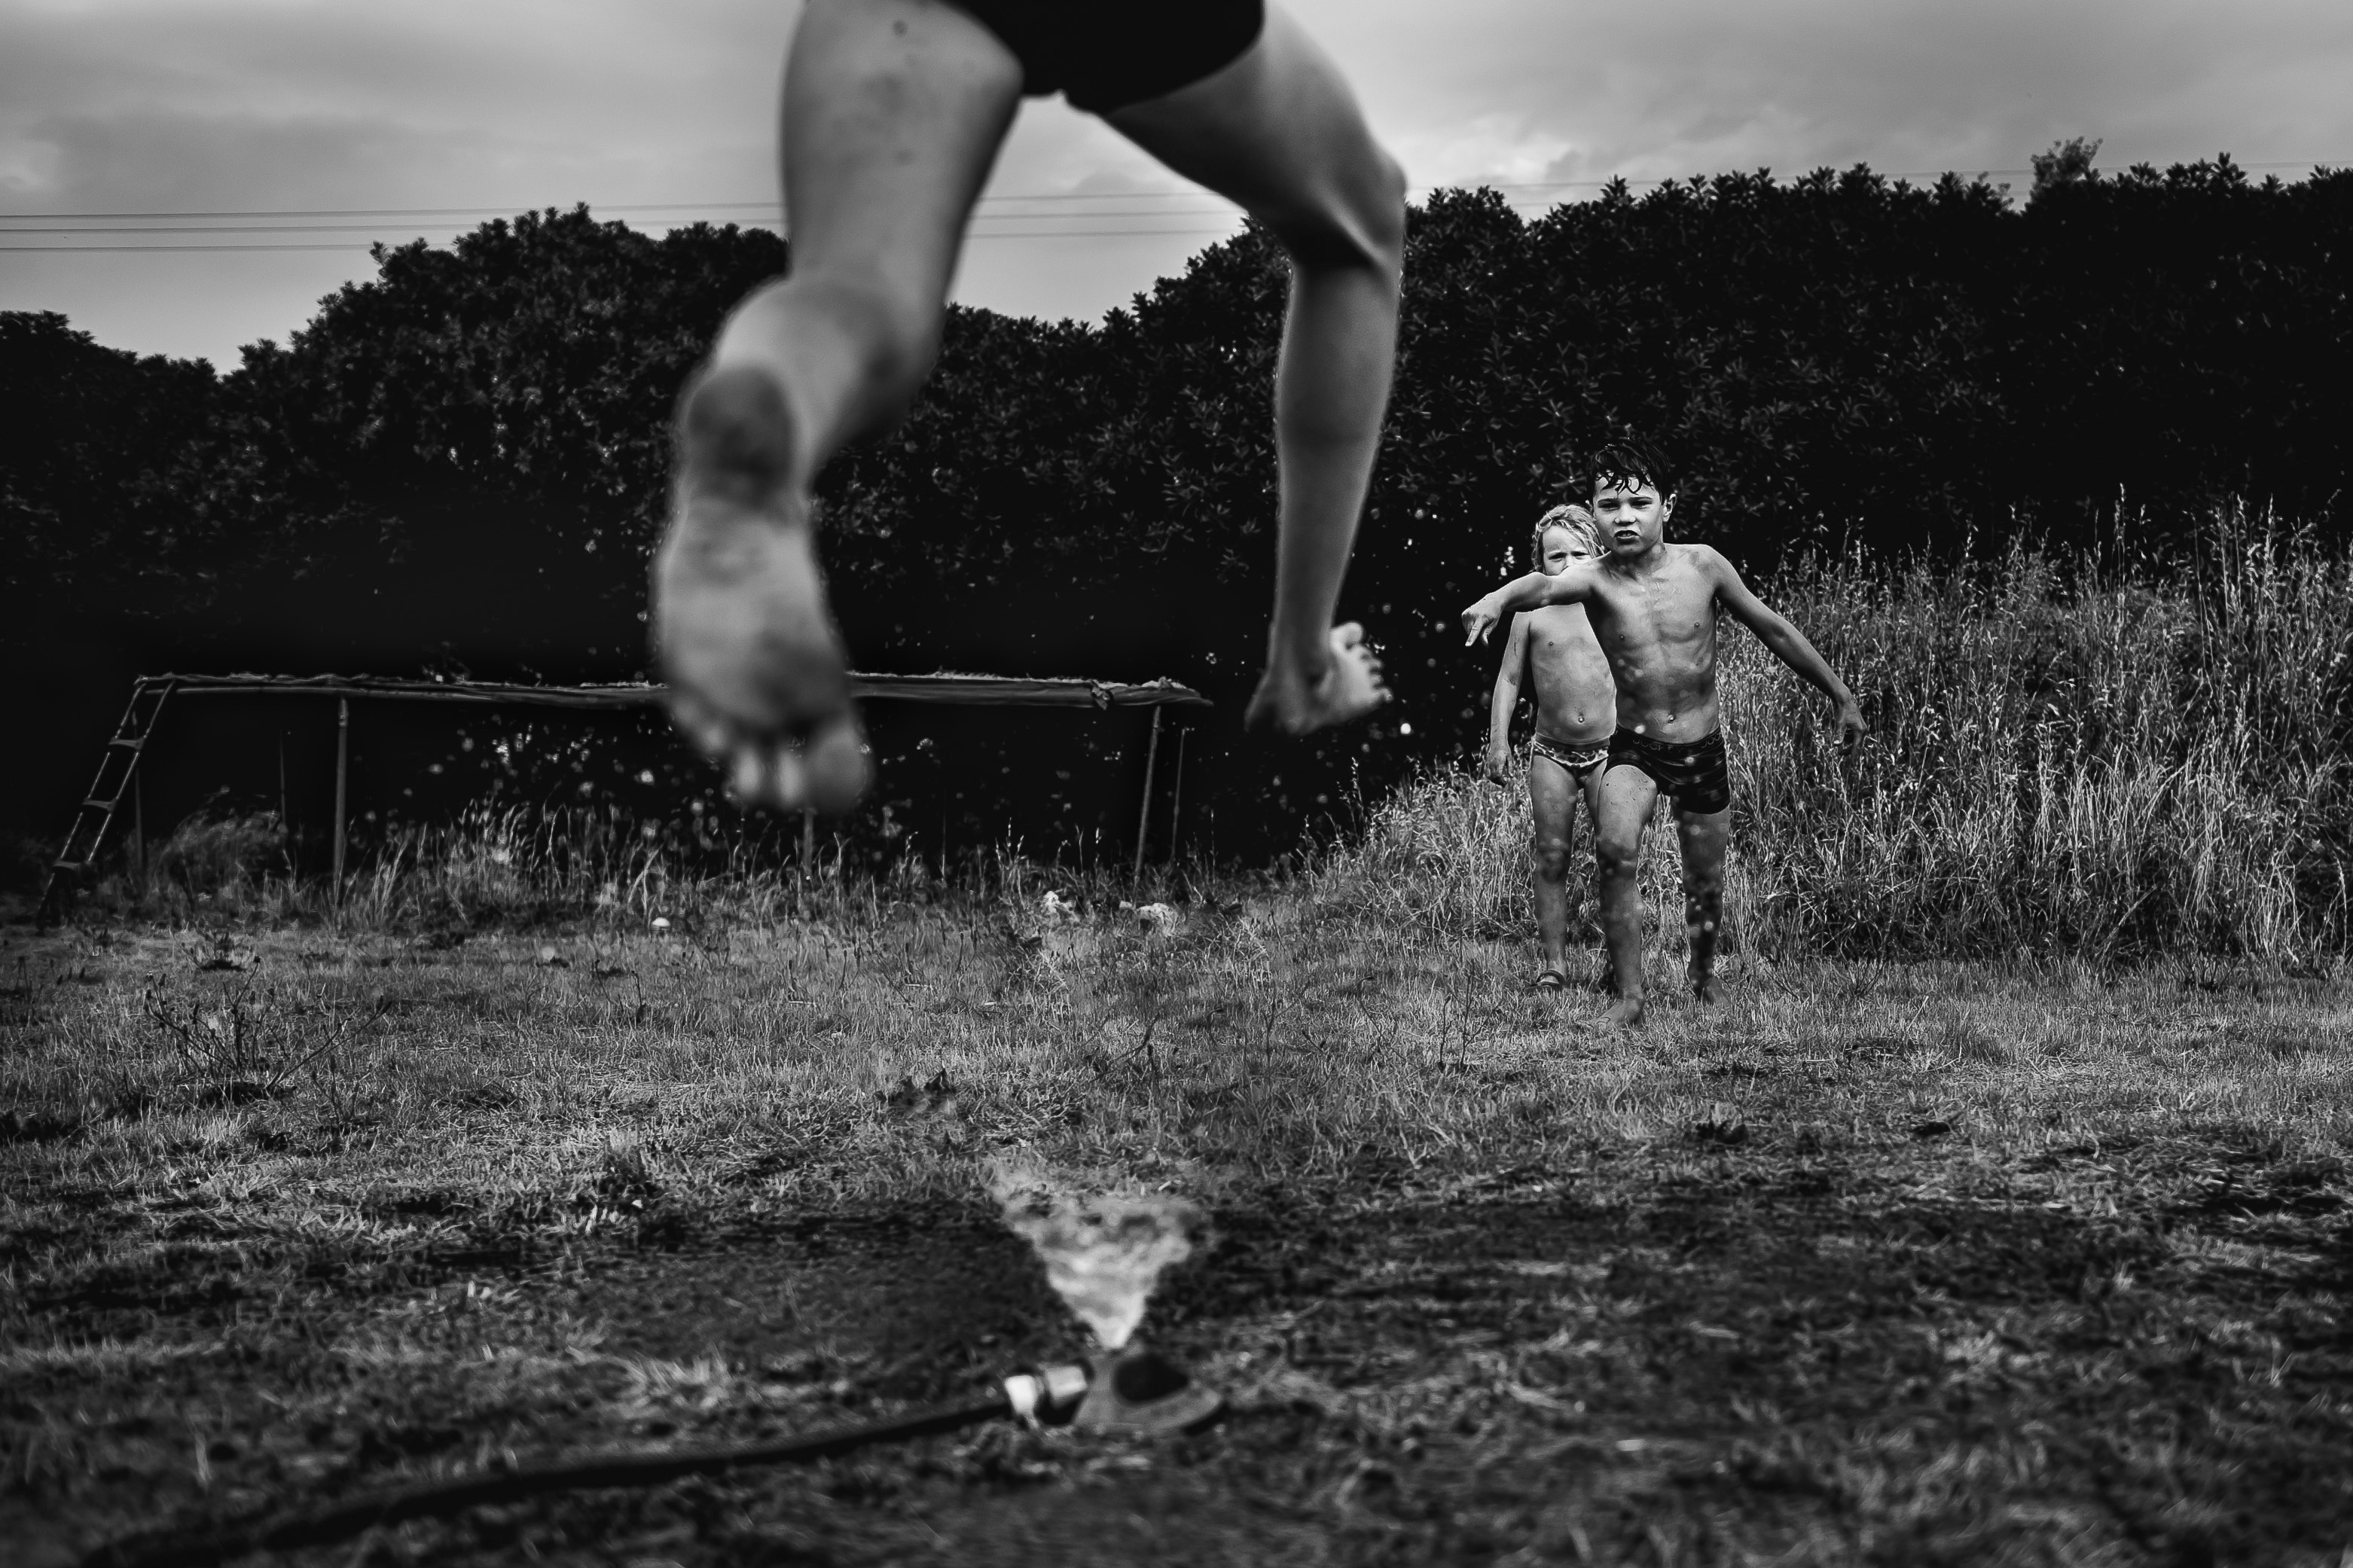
column 116, row 769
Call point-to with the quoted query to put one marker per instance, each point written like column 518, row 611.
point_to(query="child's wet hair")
column 1627, row 461
column 1572, row 517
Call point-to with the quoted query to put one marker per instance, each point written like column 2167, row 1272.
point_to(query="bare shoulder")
column 1707, row 571
column 1703, row 559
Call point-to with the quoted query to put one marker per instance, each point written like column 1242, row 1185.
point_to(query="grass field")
column 2003, row 1214
column 2026, row 1262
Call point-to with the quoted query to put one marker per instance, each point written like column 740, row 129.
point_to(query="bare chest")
column 1670, row 617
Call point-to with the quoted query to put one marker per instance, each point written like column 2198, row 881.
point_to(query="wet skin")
column 1574, row 702
column 1576, row 696
column 1654, row 606
column 894, row 111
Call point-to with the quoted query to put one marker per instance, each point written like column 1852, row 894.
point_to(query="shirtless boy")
column 1653, row 609
column 894, row 113
column 1575, row 706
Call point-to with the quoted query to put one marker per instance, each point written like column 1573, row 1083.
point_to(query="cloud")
column 1677, row 86
column 147, row 105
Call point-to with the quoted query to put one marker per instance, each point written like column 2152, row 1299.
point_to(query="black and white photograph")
column 1034, row 782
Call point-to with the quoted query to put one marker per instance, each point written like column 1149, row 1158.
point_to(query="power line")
column 454, row 228
column 771, row 205
column 990, row 225
column 462, row 212
column 1194, row 194
column 354, row 244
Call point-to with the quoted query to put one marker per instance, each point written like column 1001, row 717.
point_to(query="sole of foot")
column 1295, row 702
column 1625, row 1013
column 826, row 773
column 739, row 625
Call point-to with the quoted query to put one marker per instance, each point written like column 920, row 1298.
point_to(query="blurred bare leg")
column 894, row 113
column 1279, row 132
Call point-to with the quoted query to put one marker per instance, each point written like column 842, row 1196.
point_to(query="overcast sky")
column 312, row 108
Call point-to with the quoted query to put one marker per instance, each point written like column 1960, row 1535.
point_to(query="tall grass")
column 2103, row 762
column 2106, row 763
column 520, row 868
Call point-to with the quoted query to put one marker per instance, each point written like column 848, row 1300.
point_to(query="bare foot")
column 1707, row 991
column 1625, row 1013
column 826, row 773
column 740, row 623
column 1296, row 702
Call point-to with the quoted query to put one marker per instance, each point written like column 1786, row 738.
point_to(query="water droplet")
column 1102, row 1253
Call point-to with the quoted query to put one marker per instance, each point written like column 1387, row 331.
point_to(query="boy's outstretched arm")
column 1788, row 644
column 1505, row 699
column 1532, row 592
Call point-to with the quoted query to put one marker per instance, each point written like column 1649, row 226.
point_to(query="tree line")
column 461, row 463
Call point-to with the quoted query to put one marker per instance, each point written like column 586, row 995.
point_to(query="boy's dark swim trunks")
column 1103, row 56
column 1693, row 772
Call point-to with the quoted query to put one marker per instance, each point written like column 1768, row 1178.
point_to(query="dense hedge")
column 462, row 461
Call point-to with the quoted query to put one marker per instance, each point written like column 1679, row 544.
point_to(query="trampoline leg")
column 1143, row 812
column 342, row 773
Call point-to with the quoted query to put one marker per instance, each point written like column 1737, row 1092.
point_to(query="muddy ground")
column 1755, row 1344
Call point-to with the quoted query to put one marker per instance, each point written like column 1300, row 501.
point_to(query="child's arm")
column 1788, row 643
column 1533, row 592
column 1505, row 699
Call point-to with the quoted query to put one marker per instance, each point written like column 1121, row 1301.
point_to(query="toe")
column 789, row 776
column 838, row 769
column 699, row 723
column 748, row 775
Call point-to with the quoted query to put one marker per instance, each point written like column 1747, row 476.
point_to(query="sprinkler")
column 1142, row 1394
column 1102, row 1255
column 1136, row 1392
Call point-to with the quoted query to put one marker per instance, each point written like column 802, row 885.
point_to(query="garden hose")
column 1051, row 1395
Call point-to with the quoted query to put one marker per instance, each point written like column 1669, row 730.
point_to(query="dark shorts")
column 1693, row 772
column 1103, row 56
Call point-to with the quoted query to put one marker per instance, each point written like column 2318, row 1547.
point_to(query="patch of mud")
column 923, row 1298
column 1606, row 1364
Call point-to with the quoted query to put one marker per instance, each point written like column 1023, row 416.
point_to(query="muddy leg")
column 1705, row 836
column 1552, row 801
column 1628, row 797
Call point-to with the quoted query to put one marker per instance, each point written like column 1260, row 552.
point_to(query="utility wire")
column 356, row 245
column 981, row 210
column 991, row 220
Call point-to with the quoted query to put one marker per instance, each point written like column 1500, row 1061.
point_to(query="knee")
column 1552, row 860
column 1383, row 219
column 1360, row 226
column 1618, row 858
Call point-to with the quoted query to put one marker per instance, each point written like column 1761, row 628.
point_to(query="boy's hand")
column 1478, row 620
column 1499, row 762
column 1849, row 724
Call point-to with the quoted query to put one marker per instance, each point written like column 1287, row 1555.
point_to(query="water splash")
column 1103, row 1252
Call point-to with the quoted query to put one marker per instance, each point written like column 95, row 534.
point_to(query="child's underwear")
column 1103, row 56
column 1578, row 760
column 1693, row 772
